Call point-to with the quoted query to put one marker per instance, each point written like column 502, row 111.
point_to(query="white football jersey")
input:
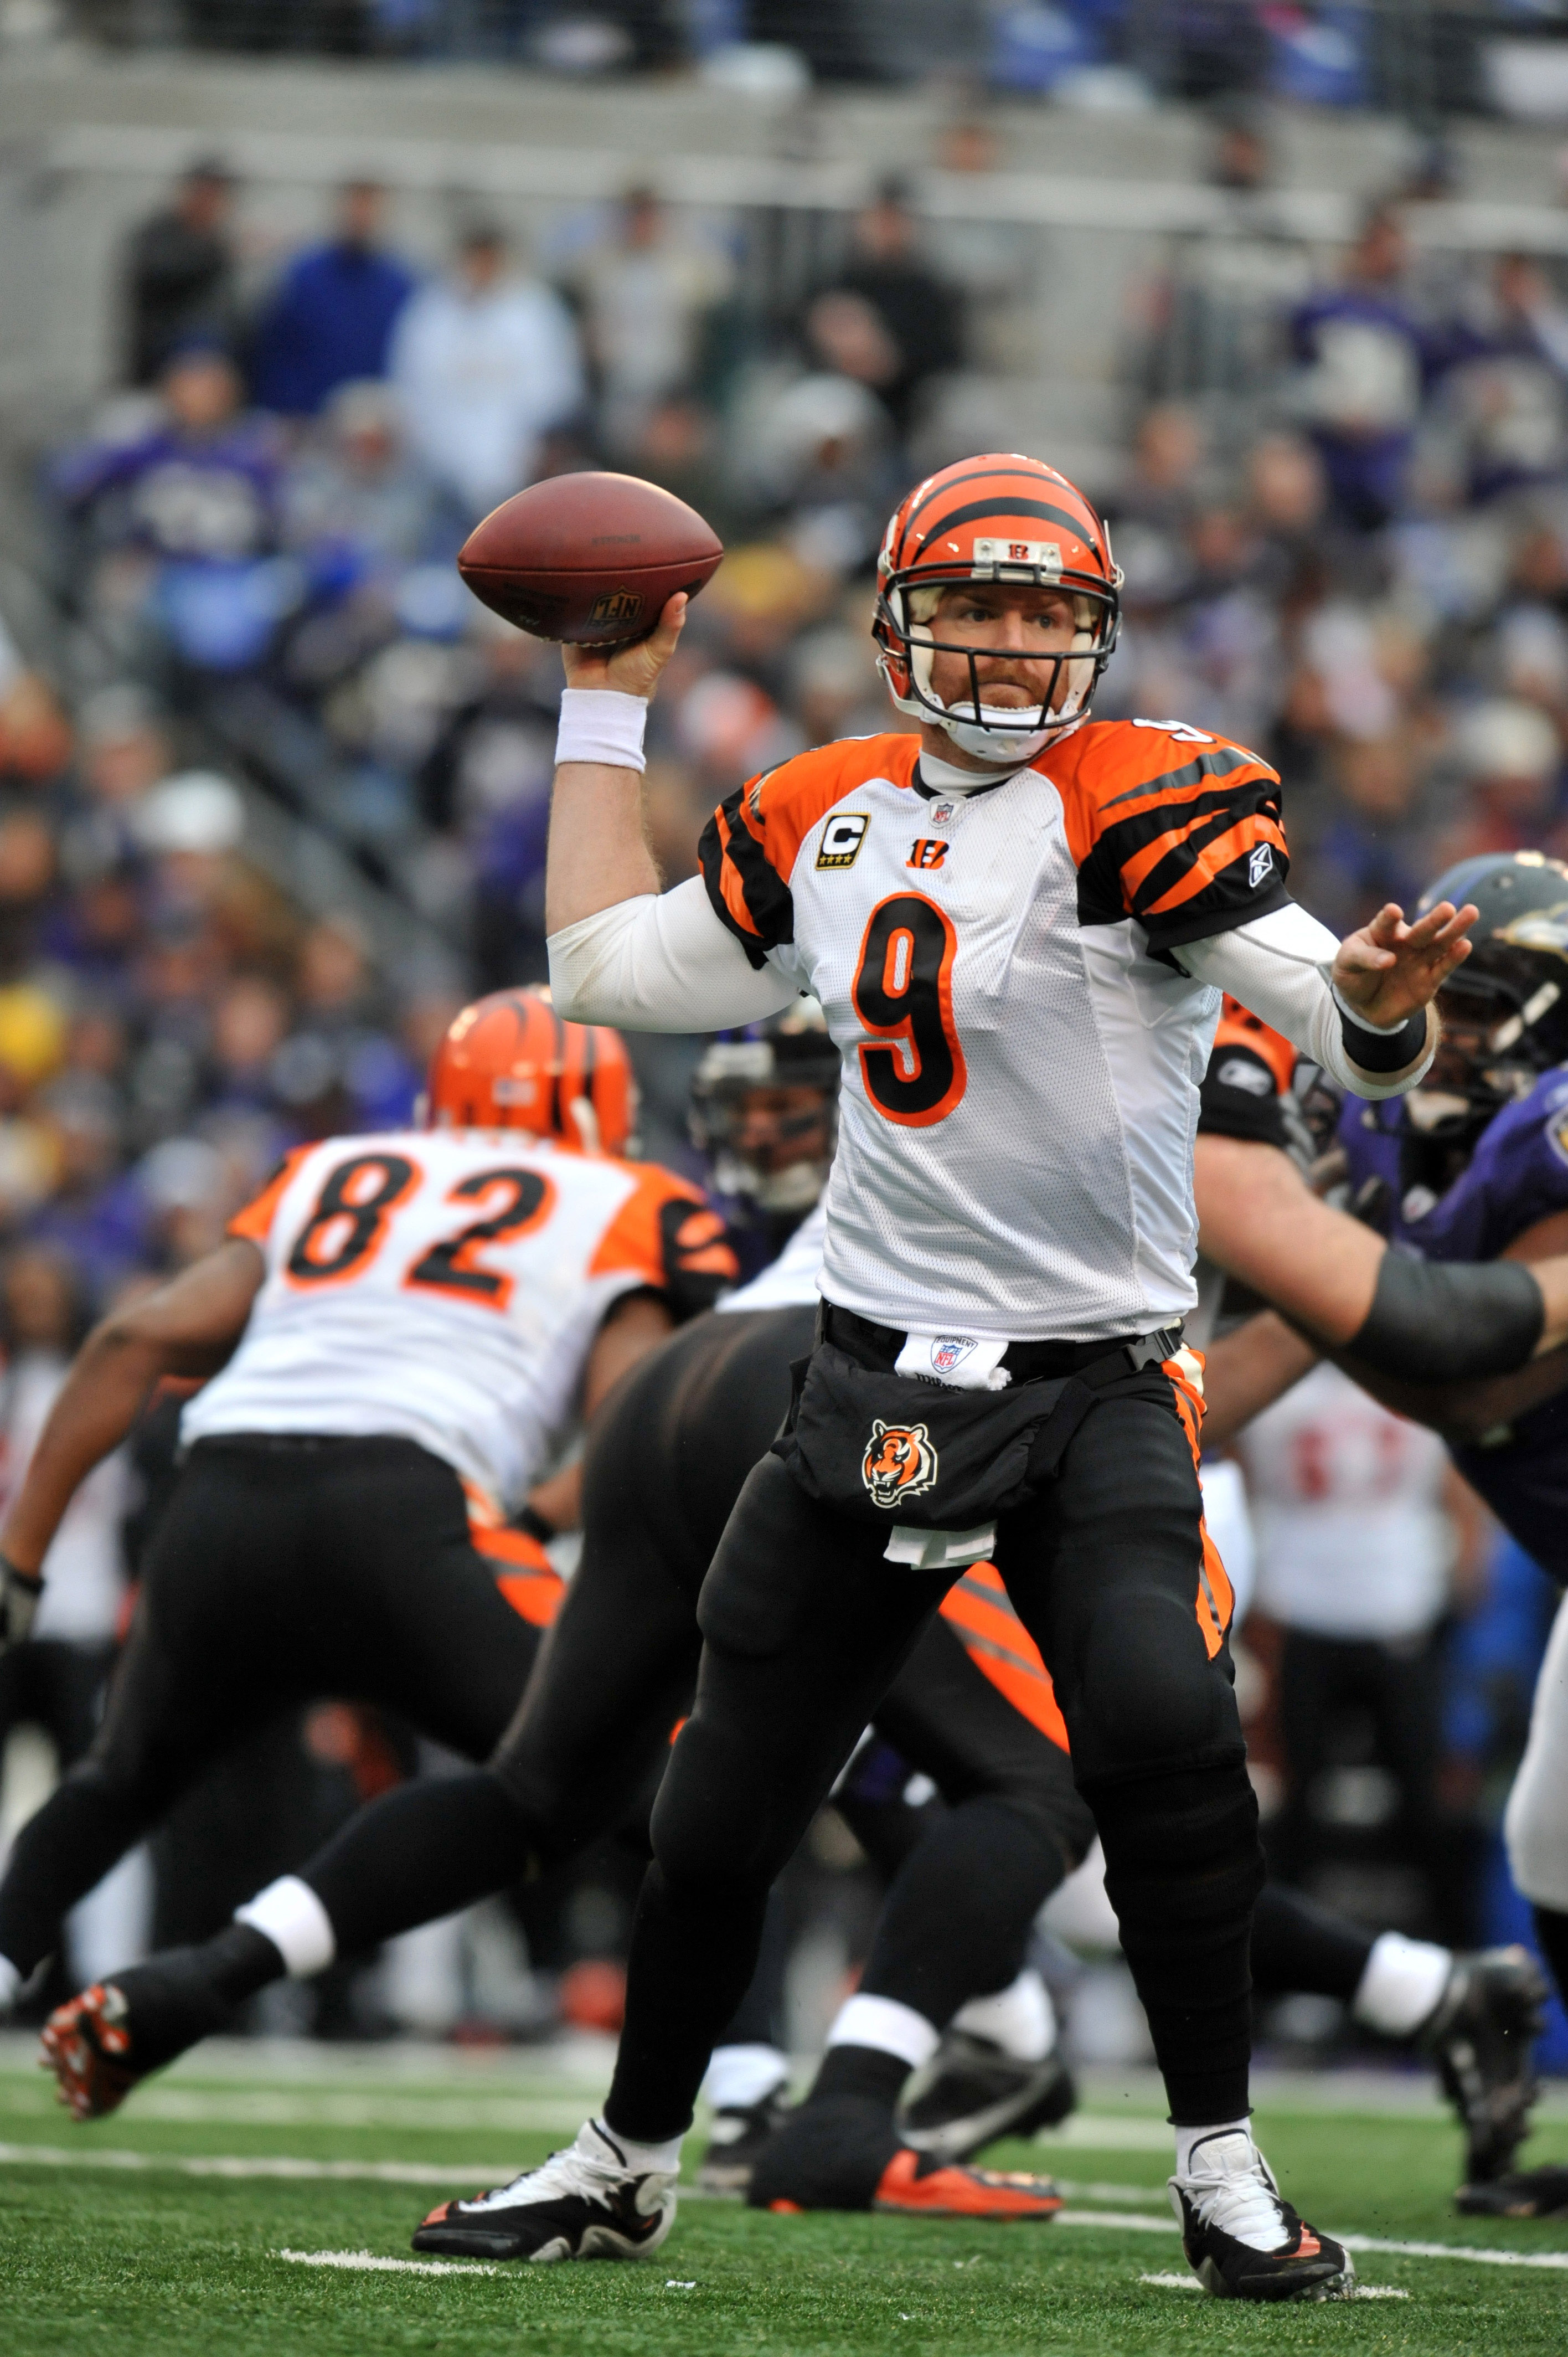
column 446, row 1285
column 1346, row 1507
column 1021, row 1067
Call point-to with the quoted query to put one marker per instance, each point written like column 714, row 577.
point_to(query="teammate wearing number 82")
column 399, row 1329
column 1010, row 1240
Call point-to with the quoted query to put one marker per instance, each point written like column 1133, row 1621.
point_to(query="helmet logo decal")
column 1539, row 929
column 900, row 1462
column 842, row 839
column 1043, row 554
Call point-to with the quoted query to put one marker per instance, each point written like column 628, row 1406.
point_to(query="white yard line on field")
column 424, row 2172
column 306, row 2108
column 1128, row 2224
column 367, row 2263
column 1357, row 2291
column 1103, row 2133
column 370, row 2172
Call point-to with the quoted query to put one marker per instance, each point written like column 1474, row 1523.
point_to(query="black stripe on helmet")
column 986, row 511
column 1016, row 470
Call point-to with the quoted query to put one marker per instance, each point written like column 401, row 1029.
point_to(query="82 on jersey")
column 348, row 1226
column 903, row 988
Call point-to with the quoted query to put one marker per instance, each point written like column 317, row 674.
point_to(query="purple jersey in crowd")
column 1517, row 1175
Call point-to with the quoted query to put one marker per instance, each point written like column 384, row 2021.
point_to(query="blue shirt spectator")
column 331, row 318
column 1365, row 362
column 201, row 484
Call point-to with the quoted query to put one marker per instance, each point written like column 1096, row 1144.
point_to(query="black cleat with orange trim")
column 1242, row 2240
column 914, row 2184
column 105, row 2043
column 844, row 2153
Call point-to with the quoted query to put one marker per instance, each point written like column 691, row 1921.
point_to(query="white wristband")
column 599, row 724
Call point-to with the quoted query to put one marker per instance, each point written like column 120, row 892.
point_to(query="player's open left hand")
column 1389, row 969
column 634, row 669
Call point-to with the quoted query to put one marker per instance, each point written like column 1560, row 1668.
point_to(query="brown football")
column 590, row 559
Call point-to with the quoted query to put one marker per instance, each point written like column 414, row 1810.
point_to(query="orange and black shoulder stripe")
column 750, row 844
column 254, row 1220
column 669, row 1234
column 1183, row 832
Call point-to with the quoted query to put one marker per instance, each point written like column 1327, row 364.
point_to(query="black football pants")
column 806, row 1626
column 618, row 1669
column 286, row 1569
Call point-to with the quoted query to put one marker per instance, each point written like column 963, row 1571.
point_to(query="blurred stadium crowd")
column 1343, row 517
column 1349, row 53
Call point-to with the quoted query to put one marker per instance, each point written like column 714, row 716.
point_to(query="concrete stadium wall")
column 89, row 142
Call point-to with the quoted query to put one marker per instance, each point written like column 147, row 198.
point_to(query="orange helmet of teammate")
column 1001, row 520
column 510, row 1063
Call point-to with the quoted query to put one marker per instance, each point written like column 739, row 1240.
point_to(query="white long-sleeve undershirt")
column 660, row 963
column 1279, row 967
column 663, row 961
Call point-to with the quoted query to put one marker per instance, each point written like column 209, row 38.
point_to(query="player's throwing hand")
column 1388, row 969
column 634, row 669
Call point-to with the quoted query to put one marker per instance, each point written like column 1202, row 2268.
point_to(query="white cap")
column 195, row 810
column 1502, row 738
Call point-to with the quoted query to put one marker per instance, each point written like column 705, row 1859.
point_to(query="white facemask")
column 794, row 1188
column 1029, row 728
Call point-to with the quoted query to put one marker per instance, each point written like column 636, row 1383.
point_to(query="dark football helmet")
column 1505, row 1011
column 765, row 1109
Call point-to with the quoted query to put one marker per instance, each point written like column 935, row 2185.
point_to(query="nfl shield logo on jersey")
column 899, row 1463
column 948, row 1352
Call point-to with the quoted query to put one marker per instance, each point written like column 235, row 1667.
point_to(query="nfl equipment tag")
column 961, row 1361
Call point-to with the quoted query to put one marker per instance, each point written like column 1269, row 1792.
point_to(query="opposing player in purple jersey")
column 1474, row 1165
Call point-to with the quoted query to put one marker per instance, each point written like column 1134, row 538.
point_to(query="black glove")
column 19, row 1594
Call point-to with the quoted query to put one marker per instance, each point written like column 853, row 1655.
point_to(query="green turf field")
column 163, row 2230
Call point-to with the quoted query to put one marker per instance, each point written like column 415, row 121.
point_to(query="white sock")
column 1187, row 2137
column 884, row 2023
column 290, row 1915
column 1402, row 1983
column 740, row 2076
column 10, row 1984
column 1019, row 2019
column 638, row 2160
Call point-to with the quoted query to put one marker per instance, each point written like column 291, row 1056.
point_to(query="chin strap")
column 1016, row 746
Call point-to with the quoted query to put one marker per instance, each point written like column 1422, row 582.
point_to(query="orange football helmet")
column 510, row 1063
column 1002, row 519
